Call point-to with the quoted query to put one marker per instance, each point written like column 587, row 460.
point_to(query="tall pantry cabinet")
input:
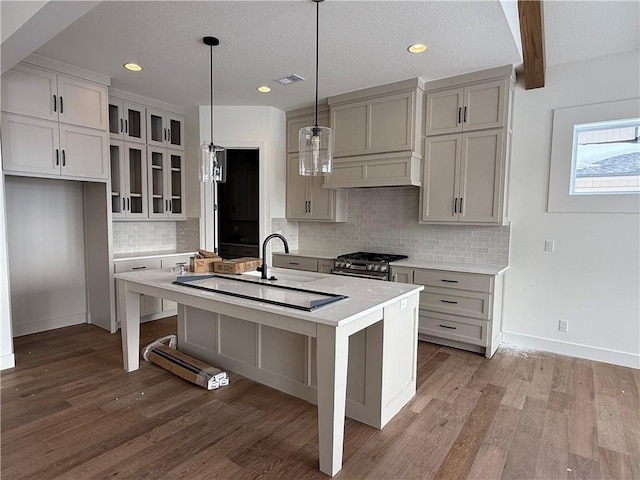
column 55, row 161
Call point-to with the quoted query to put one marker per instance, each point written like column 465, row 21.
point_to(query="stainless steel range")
column 365, row 265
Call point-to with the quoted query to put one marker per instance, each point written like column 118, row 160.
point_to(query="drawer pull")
column 448, row 281
column 294, row 263
column 181, row 263
column 138, row 268
column 449, row 301
column 447, row 326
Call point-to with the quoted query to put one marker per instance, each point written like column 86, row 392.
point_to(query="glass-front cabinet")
column 128, row 180
column 167, row 183
column 127, row 121
column 165, row 129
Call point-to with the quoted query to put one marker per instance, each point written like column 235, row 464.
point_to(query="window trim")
column 562, row 144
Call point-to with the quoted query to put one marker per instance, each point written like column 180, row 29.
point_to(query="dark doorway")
column 238, row 200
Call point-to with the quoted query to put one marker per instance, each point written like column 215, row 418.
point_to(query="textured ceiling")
column 362, row 43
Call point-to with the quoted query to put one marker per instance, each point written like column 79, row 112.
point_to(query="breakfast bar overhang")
column 388, row 310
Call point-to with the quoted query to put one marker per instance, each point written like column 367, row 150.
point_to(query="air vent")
column 293, row 78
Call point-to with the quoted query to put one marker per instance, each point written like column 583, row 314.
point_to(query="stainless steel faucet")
column 263, row 269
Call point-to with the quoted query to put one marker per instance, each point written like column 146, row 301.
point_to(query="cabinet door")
column 82, row 103
column 175, row 131
column 350, row 132
column 30, row 145
column 402, row 274
column 325, row 266
column 117, row 179
column 30, row 91
column 444, row 111
column 482, row 179
column 484, row 105
column 297, row 200
column 440, row 179
column 156, row 128
column 391, row 123
column 135, row 174
column 84, row 152
column 175, row 186
column 158, row 198
column 293, row 128
column 321, row 200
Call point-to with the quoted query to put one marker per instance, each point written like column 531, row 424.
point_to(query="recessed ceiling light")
column 263, row 89
column 134, row 67
column 417, row 48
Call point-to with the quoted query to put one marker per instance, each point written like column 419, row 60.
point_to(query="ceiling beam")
column 532, row 34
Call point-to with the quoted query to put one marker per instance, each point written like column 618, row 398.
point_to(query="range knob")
column 347, row 265
column 370, row 267
column 383, row 268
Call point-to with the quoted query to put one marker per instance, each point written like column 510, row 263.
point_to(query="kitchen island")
column 355, row 356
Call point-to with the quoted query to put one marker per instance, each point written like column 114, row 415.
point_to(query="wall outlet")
column 548, row 245
column 563, row 325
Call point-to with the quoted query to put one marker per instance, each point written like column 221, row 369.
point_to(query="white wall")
column 255, row 127
column 593, row 277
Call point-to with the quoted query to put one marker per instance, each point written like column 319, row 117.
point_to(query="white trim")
column 146, row 101
column 7, row 361
column 67, row 69
column 624, row 359
column 564, row 120
column 49, row 324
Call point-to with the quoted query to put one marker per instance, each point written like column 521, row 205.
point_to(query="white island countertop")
column 364, row 295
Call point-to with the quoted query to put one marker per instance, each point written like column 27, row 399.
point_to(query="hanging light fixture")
column 315, row 143
column 213, row 158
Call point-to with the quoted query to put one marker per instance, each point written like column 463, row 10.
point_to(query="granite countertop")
column 452, row 266
column 150, row 254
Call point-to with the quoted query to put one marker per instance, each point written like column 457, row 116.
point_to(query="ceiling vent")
column 293, row 78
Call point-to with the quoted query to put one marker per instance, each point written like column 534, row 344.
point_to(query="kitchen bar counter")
column 383, row 314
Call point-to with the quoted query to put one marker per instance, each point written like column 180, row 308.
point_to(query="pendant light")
column 315, row 143
column 213, row 158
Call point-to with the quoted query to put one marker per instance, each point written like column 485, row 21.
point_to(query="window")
column 595, row 158
column 606, row 158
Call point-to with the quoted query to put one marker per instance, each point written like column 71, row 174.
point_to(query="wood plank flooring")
column 69, row 411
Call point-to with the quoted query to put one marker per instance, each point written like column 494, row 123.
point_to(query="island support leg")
column 129, row 315
column 332, row 360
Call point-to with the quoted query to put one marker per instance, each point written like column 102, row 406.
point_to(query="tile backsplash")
column 386, row 220
column 138, row 237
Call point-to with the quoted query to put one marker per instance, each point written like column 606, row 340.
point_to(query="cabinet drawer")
column 296, row 263
column 444, row 326
column 459, row 281
column 175, row 261
column 471, row 304
column 133, row 265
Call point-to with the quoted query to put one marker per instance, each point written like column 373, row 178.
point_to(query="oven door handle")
column 361, row 275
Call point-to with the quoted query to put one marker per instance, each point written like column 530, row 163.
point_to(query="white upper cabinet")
column 128, row 180
column 127, row 121
column 165, row 129
column 166, row 183
column 41, row 93
column 474, row 107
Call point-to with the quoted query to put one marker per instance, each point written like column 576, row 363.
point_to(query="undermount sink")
column 288, row 277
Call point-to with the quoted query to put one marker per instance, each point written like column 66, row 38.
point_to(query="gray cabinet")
column 474, row 107
column 306, row 197
column 377, row 136
column 457, row 309
column 300, row 262
column 466, row 151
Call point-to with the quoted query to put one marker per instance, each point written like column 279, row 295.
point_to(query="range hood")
column 380, row 170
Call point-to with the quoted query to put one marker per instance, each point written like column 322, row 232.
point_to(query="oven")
column 370, row 265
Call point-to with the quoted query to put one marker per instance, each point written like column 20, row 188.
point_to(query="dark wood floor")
column 69, row 411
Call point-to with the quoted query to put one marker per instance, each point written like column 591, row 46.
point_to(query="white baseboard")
column 8, row 360
column 615, row 357
column 48, row 324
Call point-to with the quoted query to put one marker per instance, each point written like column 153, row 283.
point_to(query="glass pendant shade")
column 213, row 163
column 315, row 150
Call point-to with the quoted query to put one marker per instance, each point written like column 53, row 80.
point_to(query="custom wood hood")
column 377, row 134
